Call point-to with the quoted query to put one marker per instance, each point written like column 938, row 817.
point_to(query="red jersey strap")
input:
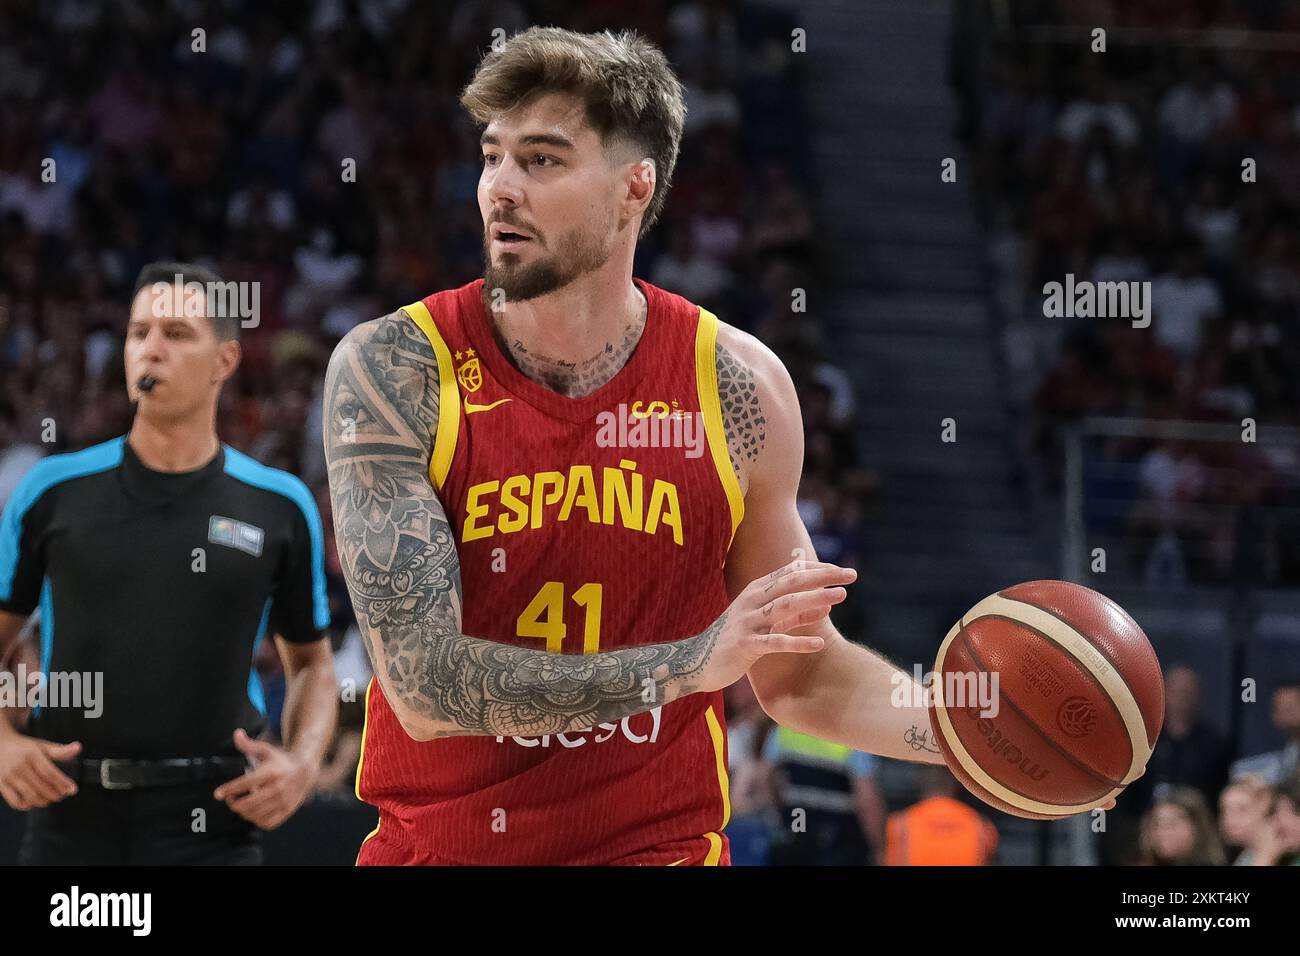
column 444, row 440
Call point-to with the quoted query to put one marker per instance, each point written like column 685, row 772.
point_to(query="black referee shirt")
column 110, row 551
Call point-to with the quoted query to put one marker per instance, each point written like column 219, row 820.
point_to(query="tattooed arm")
column 845, row 693
column 398, row 552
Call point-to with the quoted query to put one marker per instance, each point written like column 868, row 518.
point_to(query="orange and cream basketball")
column 1078, row 707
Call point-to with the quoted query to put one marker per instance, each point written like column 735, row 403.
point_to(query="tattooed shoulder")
column 382, row 387
column 742, row 413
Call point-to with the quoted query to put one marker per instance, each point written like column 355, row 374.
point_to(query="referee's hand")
column 273, row 790
column 28, row 776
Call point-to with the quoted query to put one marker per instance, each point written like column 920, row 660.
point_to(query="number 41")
column 544, row 616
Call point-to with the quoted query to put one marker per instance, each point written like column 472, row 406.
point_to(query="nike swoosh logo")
column 470, row 407
column 682, row 860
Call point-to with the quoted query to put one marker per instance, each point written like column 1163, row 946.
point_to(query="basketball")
column 1048, row 699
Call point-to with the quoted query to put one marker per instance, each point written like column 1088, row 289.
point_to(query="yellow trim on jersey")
column 361, row 759
column 365, row 729
column 706, row 383
column 720, row 755
column 444, row 442
column 715, row 850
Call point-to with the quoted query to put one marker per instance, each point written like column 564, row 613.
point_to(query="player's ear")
column 229, row 354
column 640, row 187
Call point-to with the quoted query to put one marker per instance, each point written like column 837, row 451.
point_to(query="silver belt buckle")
column 105, row 774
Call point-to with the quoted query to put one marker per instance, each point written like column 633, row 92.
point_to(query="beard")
column 577, row 253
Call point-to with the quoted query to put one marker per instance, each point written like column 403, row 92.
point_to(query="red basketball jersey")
column 582, row 525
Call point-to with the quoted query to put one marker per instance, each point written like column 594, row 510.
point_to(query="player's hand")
column 28, row 776
column 759, row 619
column 273, row 790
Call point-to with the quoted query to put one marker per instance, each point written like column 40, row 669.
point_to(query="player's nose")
column 504, row 183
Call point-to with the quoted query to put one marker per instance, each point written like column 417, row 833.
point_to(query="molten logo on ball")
column 1002, row 746
column 1076, row 716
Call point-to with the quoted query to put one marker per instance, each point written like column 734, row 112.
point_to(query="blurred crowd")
column 1171, row 159
column 798, row 800
column 319, row 150
column 1197, row 806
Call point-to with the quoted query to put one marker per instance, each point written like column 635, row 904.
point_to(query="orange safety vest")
column 939, row 831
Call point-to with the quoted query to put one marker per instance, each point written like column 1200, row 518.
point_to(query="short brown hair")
column 630, row 90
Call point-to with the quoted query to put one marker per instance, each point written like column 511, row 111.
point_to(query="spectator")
column 784, row 221
column 1280, row 844
column 709, row 102
column 1183, row 302
column 830, row 808
column 1244, row 817
column 18, row 453
column 1178, row 831
column 940, row 830
column 43, row 209
column 1098, row 107
column 680, row 269
column 1189, row 753
column 1193, row 110
column 1275, row 766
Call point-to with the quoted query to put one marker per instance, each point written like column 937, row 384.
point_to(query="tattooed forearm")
column 399, row 558
column 742, row 414
column 501, row 689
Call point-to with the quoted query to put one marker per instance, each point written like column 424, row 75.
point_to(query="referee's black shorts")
column 145, row 826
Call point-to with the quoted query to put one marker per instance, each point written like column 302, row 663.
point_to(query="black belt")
column 129, row 774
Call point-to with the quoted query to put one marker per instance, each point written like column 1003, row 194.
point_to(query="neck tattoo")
column 574, row 379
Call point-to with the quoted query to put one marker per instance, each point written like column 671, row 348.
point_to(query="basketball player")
column 552, row 611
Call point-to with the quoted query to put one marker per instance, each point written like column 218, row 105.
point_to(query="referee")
column 160, row 560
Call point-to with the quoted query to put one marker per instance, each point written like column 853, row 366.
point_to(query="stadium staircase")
column 908, row 318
